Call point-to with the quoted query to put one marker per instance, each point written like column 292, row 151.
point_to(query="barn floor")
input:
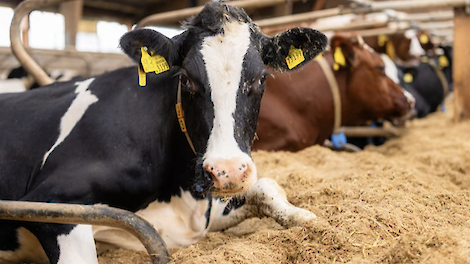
column 405, row 202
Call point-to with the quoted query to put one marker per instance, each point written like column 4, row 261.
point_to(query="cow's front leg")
column 66, row 244
column 266, row 198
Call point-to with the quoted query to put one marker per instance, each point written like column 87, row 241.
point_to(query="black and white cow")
column 106, row 140
column 428, row 83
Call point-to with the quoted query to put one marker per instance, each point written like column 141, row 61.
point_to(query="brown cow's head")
column 369, row 90
column 425, row 39
column 402, row 47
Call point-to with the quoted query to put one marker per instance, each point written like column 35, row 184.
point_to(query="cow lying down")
column 117, row 140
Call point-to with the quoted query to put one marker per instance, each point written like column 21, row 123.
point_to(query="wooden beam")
column 178, row 15
column 373, row 7
column 283, row 9
column 461, row 67
column 72, row 12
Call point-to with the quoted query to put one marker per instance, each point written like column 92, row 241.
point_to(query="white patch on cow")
column 266, row 198
column 78, row 246
column 390, row 68
column 180, row 222
column 367, row 47
column 75, row 112
column 223, row 55
column 391, row 71
column 30, row 250
column 415, row 46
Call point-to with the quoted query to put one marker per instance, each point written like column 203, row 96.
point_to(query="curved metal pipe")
column 89, row 215
column 17, row 47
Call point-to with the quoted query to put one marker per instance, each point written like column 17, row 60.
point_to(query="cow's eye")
column 381, row 68
column 187, row 84
column 262, row 80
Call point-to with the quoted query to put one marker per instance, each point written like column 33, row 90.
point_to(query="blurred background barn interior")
column 82, row 36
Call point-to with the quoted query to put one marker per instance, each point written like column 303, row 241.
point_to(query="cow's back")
column 29, row 124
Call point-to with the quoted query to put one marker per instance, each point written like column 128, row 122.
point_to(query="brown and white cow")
column 401, row 47
column 297, row 109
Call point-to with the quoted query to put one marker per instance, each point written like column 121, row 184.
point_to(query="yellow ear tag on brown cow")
column 339, row 57
column 335, row 66
column 154, row 63
column 142, row 77
column 390, row 50
column 408, row 78
column 295, row 57
column 381, row 39
column 443, row 61
column 424, row 39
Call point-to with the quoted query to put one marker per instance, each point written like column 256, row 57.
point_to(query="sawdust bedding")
column 407, row 201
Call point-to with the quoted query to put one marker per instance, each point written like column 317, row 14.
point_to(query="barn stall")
column 405, row 201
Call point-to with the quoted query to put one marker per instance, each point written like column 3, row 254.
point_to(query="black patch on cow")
column 234, row 203
column 208, row 213
column 276, row 49
column 427, row 84
column 47, row 235
column 156, row 42
column 249, row 94
column 8, row 236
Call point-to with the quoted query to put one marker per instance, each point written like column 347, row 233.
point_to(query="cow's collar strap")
column 180, row 116
column 334, row 90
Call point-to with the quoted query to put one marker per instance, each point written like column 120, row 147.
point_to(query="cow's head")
column 222, row 57
column 402, row 47
column 370, row 90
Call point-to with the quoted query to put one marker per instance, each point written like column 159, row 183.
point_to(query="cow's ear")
column 151, row 41
column 292, row 49
column 343, row 51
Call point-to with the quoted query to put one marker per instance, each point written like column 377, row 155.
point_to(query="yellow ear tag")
column 155, row 63
column 295, row 57
column 443, row 62
column 339, row 57
column 142, row 79
column 390, row 50
column 423, row 39
column 319, row 56
column 408, row 78
column 335, row 66
column 381, row 39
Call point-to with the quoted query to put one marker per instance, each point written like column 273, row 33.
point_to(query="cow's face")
column 408, row 49
column 368, row 85
column 222, row 58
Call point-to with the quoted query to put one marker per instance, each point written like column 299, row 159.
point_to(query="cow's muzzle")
column 231, row 176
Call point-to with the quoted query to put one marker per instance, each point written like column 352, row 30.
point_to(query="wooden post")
column 72, row 12
column 461, row 64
